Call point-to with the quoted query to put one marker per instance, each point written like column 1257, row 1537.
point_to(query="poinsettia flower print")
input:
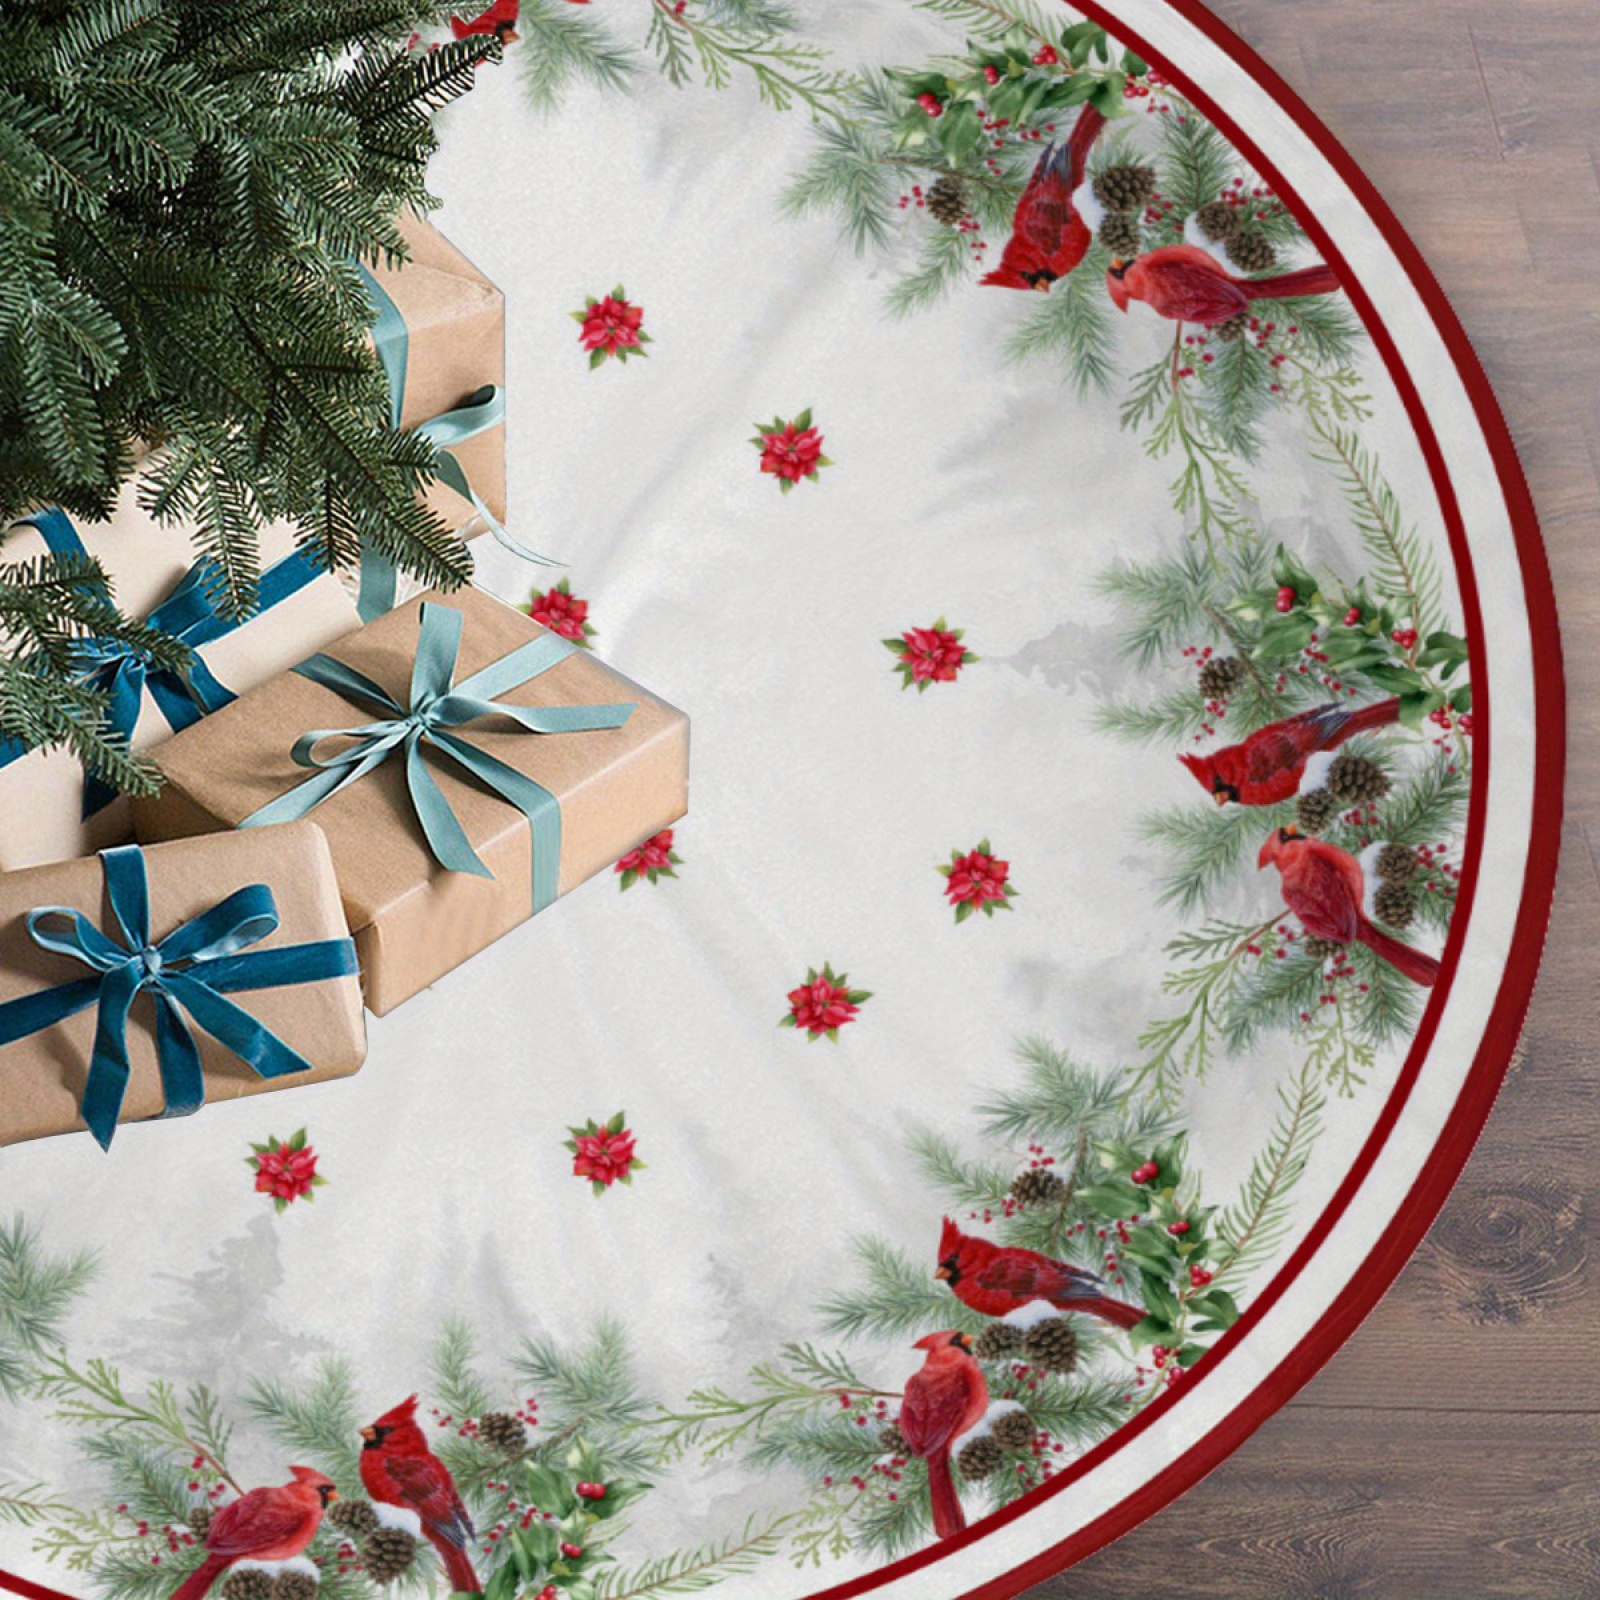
column 925, row 656
column 823, row 1004
column 978, row 880
column 561, row 611
column 790, row 450
column 286, row 1169
column 603, row 1152
column 655, row 858
column 611, row 328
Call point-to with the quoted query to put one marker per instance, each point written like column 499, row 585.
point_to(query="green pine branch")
column 37, row 1291
column 1251, row 1230
column 319, row 1421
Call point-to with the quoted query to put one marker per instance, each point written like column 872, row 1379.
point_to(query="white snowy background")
column 823, row 797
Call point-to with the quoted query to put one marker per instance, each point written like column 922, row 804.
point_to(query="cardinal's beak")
column 1042, row 287
column 1292, row 831
column 511, row 37
column 331, row 1496
column 369, row 1434
column 943, row 1274
column 965, row 1341
column 1220, row 796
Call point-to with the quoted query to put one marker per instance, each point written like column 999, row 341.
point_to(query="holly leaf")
column 1287, row 635
column 1151, row 1331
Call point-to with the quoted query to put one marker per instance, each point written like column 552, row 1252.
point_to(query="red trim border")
column 1432, row 1187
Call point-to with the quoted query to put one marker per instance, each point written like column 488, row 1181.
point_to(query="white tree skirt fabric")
column 966, row 489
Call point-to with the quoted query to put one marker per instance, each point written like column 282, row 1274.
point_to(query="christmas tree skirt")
column 1125, row 790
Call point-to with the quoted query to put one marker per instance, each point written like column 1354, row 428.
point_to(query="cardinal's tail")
column 195, row 1586
column 457, row 1565
column 1380, row 714
column 948, row 1517
column 1414, row 964
column 1287, row 285
column 1117, row 1312
column 1084, row 133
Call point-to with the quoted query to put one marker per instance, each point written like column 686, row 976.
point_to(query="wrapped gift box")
column 454, row 344
column 44, row 1073
column 414, row 920
column 42, row 791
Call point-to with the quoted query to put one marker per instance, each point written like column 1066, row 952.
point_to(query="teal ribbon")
column 123, row 673
column 437, row 706
column 190, row 970
column 482, row 410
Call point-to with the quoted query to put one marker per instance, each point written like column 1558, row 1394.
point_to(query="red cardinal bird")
column 1325, row 888
column 399, row 1469
column 263, row 1525
column 1048, row 237
column 946, row 1399
column 500, row 20
column 995, row 1280
column 1269, row 765
column 1189, row 284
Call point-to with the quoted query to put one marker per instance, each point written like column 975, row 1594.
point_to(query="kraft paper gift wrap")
column 455, row 345
column 42, row 1075
column 412, row 919
column 41, row 792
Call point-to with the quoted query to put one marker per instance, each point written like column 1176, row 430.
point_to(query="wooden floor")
column 1452, row 1450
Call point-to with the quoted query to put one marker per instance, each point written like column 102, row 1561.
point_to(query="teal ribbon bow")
column 482, row 410
column 123, row 673
column 437, row 706
column 190, row 970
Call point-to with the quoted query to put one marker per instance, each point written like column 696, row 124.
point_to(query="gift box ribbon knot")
column 437, row 707
column 123, row 673
column 191, row 970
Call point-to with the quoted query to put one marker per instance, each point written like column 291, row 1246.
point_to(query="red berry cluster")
column 1147, row 1172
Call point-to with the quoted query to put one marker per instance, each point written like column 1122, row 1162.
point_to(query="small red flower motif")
column 655, row 858
column 561, row 611
column 286, row 1169
column 790, row 450
column 824, row 1003
column 929, row 655
column 978, row 881
column 602, row 1152
column 611, row 327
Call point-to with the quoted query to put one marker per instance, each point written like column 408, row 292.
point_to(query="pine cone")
column 354, row 1517
column 387, row 1554
column 1356, row 780
column 1394, row 905
column 1012, row 1430
column 1397, row 863
column 1052, row 1346
column 1036, row 1187
column 1119, row 233
column 979, row 1458
column 947, row 199
column 1220, row 676
column 1315, row 809
column 1125, row 188
column 503, row 1432
column 997, row 1341
column 1319, row 949
column 893, row 1441
column 1252, row 252
column 1233, row 330
column 199, row 1521
column 247, row 1583
column 294, row 1586
column 1218, row 220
